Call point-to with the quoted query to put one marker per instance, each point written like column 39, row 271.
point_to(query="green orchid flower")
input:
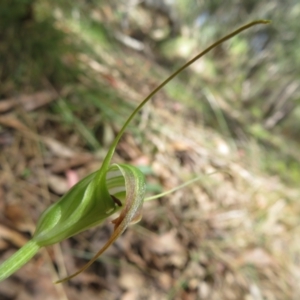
column 113, row 188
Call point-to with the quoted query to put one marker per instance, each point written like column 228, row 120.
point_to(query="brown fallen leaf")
column 129, row 147
column 58, row 184
column 131, row 280
column 14, row 237
column 6, row 105
column 55, row 146
column 165, row 243
column 167, row 250
column 6, row 138
column 14, row 123
column 257, row 256
column 3, row 245
column 179, row 146
column 61, row 165
column 9, row 289
column 18, row 217
column 28, row 102
column 58, row 148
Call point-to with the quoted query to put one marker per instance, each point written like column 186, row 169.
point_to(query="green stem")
column 178, row 187
column 18, row 259
column 111, row 151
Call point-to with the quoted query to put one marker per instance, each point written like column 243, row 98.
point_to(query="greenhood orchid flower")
column 113, row 188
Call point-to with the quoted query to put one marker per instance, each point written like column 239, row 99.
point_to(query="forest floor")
column 232, row 235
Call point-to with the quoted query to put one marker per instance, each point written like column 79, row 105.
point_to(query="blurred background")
column 71, row 72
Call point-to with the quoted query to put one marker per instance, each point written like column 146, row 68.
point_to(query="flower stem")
column 18, row 259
